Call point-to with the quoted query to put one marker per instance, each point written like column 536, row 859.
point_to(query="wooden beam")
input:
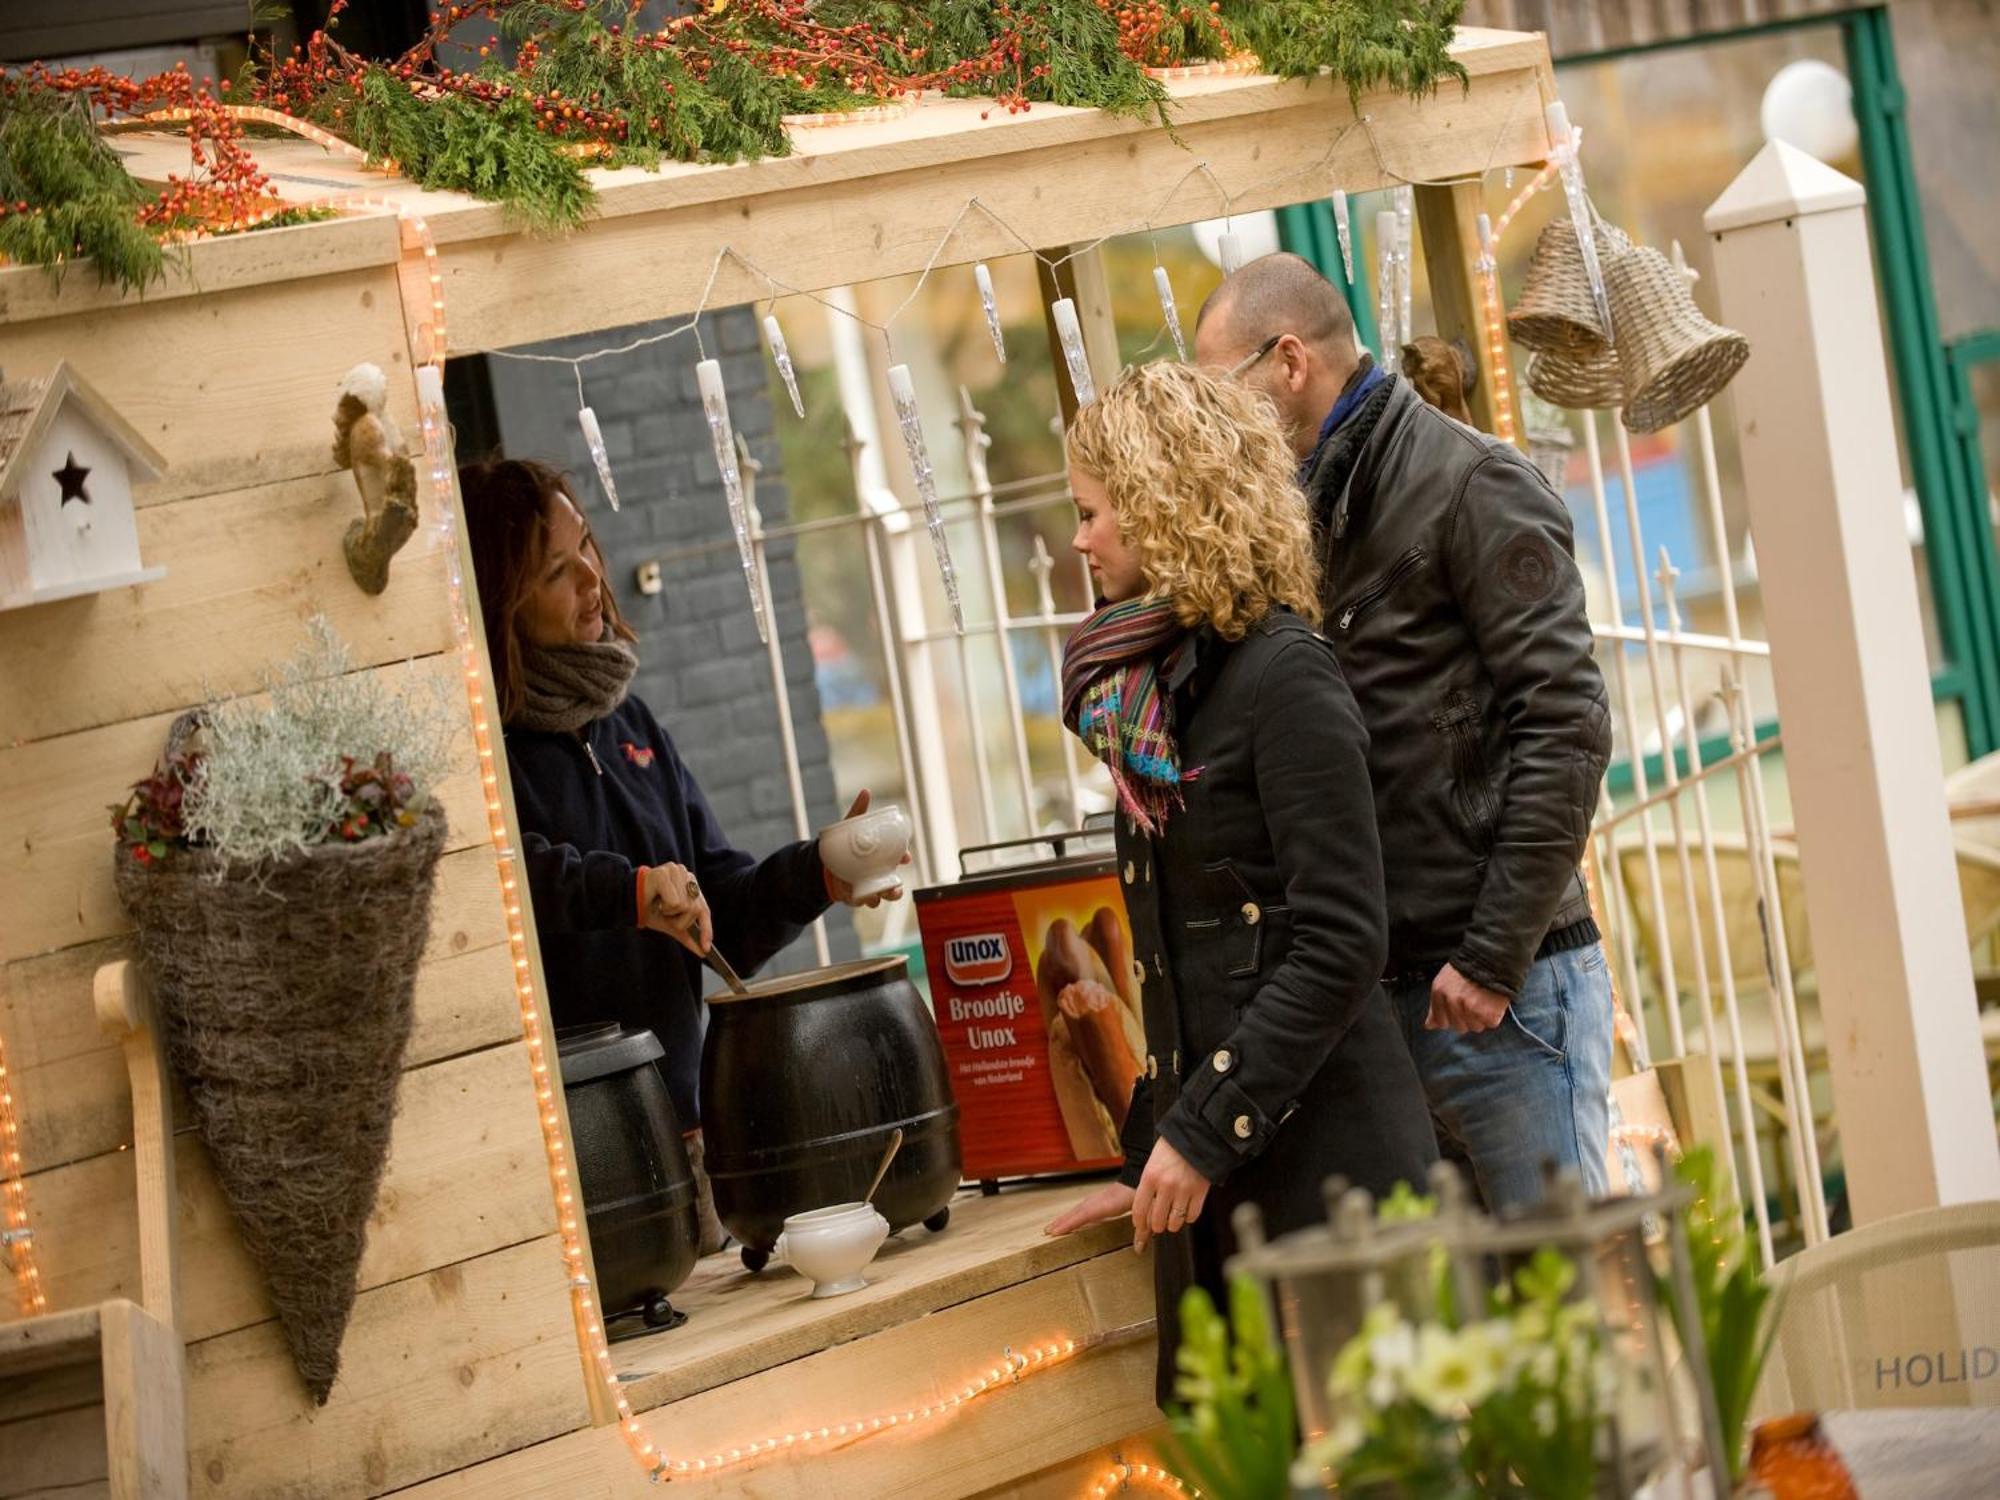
column 1448, row 220
column 145, row 1406
column 125, row 1012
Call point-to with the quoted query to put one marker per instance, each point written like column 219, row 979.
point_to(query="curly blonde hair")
column 1206, row 491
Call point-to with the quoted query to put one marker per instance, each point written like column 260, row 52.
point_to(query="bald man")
column 1454, row 604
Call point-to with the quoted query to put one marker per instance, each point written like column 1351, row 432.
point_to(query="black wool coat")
column 1260, row 931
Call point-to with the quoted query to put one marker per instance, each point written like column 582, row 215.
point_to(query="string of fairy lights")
column 420, row 255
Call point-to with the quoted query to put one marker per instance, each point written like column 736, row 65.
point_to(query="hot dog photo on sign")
column 1089, row 997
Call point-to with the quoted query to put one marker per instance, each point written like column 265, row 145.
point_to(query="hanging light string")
column 18, row 1236
column 1121, row 1476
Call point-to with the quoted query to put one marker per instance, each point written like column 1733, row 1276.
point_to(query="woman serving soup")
column 630, row 873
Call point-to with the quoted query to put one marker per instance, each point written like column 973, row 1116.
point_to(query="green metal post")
column 1307, row 229
column 1958, row 540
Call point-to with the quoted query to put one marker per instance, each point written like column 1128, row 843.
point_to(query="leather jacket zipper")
column 595, row 764
column 1407, row 564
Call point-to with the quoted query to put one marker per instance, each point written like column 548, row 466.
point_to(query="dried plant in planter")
column 278, row 866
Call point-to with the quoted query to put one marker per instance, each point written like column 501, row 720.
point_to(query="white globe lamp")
column 1810, row 104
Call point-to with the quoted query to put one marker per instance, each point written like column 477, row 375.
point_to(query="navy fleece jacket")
column 596, row 806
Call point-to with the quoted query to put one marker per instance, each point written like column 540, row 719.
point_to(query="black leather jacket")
column 1454, row 603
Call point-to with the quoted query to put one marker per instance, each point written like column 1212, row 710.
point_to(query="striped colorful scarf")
column 1113, row 703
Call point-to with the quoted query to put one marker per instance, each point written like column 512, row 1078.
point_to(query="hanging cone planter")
column 1584, row 382
column 1556, row 311
column 286, row 990
column 1672, row 360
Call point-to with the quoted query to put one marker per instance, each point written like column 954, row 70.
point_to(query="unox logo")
column 984, row 959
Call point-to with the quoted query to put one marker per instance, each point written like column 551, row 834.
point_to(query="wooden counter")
column 739, row 1324
column 760, row 1358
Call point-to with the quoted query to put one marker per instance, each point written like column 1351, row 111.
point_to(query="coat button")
column 1223, row 1061
column 1139, row 970
column 1243, row 1127
column 1152, row 1066
column 1130, row 873
column 1252, row 913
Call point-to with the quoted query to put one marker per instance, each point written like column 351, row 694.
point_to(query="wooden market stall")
column 467, row 1367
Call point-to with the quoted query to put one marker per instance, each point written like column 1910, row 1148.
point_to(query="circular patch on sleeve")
column 1528, row 568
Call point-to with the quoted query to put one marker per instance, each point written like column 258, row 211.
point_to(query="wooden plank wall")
column 462, row 1344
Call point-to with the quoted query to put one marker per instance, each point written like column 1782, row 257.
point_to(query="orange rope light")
column 1120, row 1477
column 18, row 1236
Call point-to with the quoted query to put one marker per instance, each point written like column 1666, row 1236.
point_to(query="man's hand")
column 1170, row 1195
column 1457, row 1004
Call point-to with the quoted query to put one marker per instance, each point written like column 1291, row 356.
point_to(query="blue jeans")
column 1536, row 1088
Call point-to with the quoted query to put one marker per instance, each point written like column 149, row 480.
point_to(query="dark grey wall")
column 702, row 669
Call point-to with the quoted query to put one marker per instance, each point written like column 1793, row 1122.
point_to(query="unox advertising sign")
column 1038, row 1007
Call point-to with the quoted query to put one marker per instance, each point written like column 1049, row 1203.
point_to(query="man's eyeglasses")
column 1254, row 355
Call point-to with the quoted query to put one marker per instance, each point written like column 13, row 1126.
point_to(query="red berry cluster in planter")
column 378, row 800
column 149, row 822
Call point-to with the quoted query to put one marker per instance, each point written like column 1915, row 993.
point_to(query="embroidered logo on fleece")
column 638, row 755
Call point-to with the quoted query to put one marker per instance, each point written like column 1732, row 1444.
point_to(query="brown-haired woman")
column 630, row 873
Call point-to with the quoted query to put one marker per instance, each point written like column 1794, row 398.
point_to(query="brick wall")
column 702, row 669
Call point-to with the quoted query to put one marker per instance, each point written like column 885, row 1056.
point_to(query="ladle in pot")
column 895, row 1145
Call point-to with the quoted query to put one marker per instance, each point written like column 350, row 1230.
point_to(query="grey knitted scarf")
column 567, row 687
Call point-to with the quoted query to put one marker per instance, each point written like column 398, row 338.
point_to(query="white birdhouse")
column 67, row 466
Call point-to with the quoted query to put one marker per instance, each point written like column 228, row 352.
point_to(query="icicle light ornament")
column 1385, row 291
column 1570, row 164
column 991, row 305
column 904, row 395
column 593, row 439
column 1405, row 199
column 1070, row 333
column 1171, row 312
column 715, row 406
column 781, row 356
column 1229, row 251
column 1343, row 227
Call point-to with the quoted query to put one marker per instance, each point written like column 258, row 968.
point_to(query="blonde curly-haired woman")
column 1246, row 834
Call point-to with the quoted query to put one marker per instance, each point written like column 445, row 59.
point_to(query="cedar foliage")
column 80, row 199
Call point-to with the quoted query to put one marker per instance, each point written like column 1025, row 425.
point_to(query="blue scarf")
column 1357, row 391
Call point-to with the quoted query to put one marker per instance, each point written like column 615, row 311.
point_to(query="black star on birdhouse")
column 71, row 477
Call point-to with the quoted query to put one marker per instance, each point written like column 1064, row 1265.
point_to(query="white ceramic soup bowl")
column 832, row 1246
column 867, row 851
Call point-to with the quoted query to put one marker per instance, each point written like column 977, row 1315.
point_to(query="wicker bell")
column 1584, row 382
column 1672, row 359
column 1555, row 311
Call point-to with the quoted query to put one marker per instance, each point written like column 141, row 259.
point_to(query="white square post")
column 1853, row 681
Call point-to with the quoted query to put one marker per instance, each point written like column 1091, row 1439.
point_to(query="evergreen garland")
column 1366, row 44
column 712, row 85
column 64, row 193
